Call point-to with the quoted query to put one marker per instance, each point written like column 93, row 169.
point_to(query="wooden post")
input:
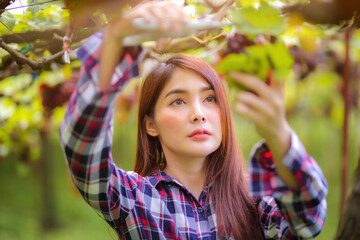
column 48, row 211
column 349, row 228
column 346, row 96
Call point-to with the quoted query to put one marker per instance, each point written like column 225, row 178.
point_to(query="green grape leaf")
column 258, row 63
column 40, row 15
column 38, row 8
column 9, row 20
column 21, row 27
column 265, row 61
column 232, row 62
column 280, row 60
column 280, row 56
column 264, row 20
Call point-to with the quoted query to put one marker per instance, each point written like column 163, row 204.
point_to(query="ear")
column 150, row 126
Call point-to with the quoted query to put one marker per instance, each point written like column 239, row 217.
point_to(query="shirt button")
column 200, row 210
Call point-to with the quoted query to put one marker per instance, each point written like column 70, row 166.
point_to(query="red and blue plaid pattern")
column 158, row 206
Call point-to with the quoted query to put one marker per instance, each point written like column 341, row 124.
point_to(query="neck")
column 189, row 172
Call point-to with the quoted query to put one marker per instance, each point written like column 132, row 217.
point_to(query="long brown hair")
column 235, row 210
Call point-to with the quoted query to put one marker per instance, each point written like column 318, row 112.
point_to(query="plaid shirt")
column 158, row 206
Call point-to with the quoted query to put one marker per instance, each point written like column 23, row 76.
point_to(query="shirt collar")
column 160, row 176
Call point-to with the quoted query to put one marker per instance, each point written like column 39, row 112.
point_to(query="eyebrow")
column 177, row 90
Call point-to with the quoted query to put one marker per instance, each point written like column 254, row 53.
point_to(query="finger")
column 171, row 18
column 176, row 16
column 278, row 86
column 254, row 84
column 257, row 104
column 248, row 113
column 143, row 13
column 139, row 11
column 159, row 14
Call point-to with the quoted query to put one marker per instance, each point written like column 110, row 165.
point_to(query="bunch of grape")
column 56, row 96
column 304, row 63
column 236, row 44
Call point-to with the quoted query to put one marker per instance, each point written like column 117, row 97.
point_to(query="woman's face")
column 186, row 118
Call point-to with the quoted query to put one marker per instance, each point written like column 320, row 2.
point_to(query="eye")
column 177, row 102
column 210, row 99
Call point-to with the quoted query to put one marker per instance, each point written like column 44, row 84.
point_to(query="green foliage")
column 260, row 60
column 262, row 20
column 355, row 43
column 21, row 95
column 37, row 8
column 35, row 19
column 20, row 117
column 314, row 97
column 8, row 19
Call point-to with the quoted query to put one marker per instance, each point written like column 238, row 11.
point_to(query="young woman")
column 189, row 180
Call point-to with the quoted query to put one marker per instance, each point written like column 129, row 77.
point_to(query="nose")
column 198, row 115
column 198, row 118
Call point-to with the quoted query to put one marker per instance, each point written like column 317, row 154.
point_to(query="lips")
column 200, row 134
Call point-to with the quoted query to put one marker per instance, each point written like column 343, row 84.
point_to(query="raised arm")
column 86, row 131
column 286, row 213
column 291, row 184
column 167, row 15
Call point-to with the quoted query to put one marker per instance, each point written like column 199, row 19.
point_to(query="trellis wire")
column 17, row 35
column 33, row 4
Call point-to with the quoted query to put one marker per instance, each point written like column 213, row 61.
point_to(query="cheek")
column 215, row 119
column 168, row 121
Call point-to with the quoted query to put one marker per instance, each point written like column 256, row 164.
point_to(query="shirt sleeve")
column 284, row 212
column 86, row 133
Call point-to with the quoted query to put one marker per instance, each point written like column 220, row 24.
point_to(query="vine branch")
column 345, row 137
column 4, row 4
column 32, row 36
column 21, row 59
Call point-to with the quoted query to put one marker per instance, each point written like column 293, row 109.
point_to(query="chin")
column 201, row 152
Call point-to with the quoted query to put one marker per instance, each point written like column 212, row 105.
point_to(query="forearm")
column 279, row 145
column 299, row 212
column 86, row 132
column 111, row 50
column 86, row 129
column 86, row 137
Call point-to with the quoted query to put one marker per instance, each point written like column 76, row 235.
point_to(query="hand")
column 264, row 106
column 168, row 16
